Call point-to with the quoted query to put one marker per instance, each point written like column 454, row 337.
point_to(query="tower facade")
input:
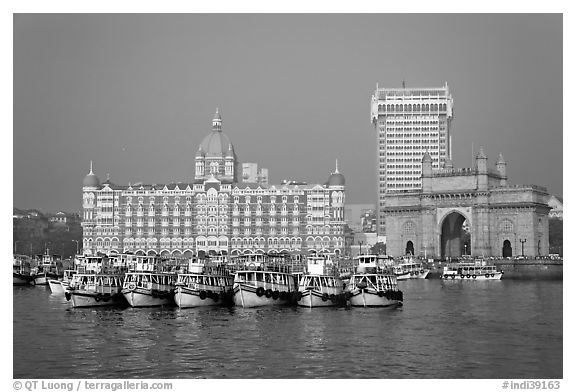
column 409, row 122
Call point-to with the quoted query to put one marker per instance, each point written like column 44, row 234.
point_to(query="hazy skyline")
column 136, row 94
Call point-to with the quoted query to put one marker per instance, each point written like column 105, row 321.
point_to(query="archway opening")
column 506, row 249
column 455, row 239
column 409, row 248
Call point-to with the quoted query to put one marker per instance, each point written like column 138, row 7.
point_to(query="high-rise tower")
column 409, row 122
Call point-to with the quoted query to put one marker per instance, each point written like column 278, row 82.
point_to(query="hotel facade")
column 409, row 122
column 214, row 213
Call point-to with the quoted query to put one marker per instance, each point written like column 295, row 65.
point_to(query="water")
column 490, row 329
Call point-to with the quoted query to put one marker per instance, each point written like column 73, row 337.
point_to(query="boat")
column 21, row 275
column 373, row 285
column 149, row 282
column 409, row 269
column 321, row 285
column 477, row 270
column 60, row 286
column 48, row 267
column 272, row 283
column 204, row 284
column 95, row 289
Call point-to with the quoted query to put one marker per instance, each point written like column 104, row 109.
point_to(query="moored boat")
column 203, row 285
column 321, row 285
column 21, row 271
column 90, row 289
column 478, row 270
column 372, row 285
column 273, row 284
column 408, row 269
column 48, row 267
column 147, row 284
column 60, row 286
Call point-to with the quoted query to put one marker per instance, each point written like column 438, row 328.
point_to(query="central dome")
column 216, row 144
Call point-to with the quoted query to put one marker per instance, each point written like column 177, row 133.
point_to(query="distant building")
column 354, row 214
column 409, row 122
column 251, row 173
column 59, row 218
column 215, row 212
column 557, row 205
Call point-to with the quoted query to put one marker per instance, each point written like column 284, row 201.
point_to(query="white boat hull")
column 422, row 274
column 84, row 299
column 143, row 298
column 188, row 298
column 316, row 299
column 56, row 286
column 490, row 276
column 369, row 298
column 41, row 280
column 246, row 297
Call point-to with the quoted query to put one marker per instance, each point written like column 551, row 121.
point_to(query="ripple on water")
column 490, row 330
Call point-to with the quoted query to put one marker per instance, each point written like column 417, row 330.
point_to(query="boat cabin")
column 104, row 284
column 150, row 280
column 378, row 282
column 267, row 279
column 315, row 282
column 204, row 282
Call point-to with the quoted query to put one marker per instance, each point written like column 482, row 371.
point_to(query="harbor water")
column 446, row 329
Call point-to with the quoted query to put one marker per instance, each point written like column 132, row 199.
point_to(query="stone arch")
column 453, row 242
column 409, row 248
column 506, row 248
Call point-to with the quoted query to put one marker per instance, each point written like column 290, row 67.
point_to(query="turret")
column 501, row 167
column 482, row 170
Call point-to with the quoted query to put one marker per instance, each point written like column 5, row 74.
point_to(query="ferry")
column 21, row 270
column 477, row 270
column 204, row 284
column 148, row 282
column 272, row 283
column 48, row 268
column 373, row 285
column 95, row 289
column 320, row 286
column 409, row 269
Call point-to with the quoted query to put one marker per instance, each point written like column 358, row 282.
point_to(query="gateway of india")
column 428, row 208
column 214, row 213
column 502, row 220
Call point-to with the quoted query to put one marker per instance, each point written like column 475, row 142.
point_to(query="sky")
column 136, row 94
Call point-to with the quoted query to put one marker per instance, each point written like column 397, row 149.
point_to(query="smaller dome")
column 336, row 179
column 91, row 180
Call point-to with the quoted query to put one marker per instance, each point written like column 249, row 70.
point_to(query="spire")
column 336, row 167
column 91, row 172
column 500, row 159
